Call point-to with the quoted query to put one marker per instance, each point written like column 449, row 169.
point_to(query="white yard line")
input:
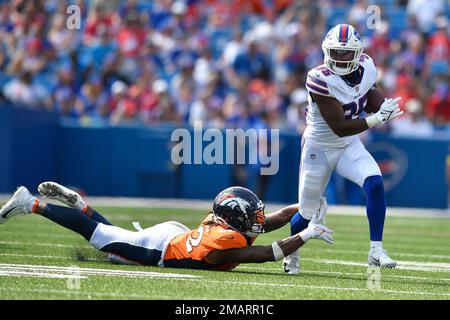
column 337, row 273
column 55, row 270
column 143, row 296
column 87, row 294
column 89, row 271
column 34, row 256
column 362, row 252
column 421, row 265
column 327, row 287
column 76, row 245
column 39, row 274
column 59, row 257
column 40, row 244
column 406, row 265
column 68, row 236
column 396, row 246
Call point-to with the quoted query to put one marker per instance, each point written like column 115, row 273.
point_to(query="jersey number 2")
column 193, row 242
column 353, row 109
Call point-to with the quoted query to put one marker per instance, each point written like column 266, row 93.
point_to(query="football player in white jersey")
column 339, row 90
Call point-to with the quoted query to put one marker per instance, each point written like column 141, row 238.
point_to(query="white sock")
column 29, row 205
column 376, row 244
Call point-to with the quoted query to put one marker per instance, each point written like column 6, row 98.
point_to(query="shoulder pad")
column 316, row 81
column 369, row 65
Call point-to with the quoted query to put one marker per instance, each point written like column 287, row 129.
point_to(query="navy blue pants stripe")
column 188, row 263
column 148, row 257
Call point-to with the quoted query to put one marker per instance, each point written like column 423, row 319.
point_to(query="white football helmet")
column 342, row 48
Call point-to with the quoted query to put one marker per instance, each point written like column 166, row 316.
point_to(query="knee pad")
column 312, row 188
column 373, row 184
column 312, row 182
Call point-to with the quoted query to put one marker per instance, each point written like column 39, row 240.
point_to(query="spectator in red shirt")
column 99, row 18
column 380, row 43
column 439, row 43
column 131, row 38
column 32, row 58
column 118, row 92
column 438, row 104
column 123, row 103
column 406, row 86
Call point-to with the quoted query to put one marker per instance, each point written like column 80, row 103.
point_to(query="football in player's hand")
column 374, row 100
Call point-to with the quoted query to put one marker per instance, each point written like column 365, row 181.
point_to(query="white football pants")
column 317, row 163
column 146, row 247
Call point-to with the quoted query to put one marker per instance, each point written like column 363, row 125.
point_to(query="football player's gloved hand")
column 317, row 231
column 388, row 111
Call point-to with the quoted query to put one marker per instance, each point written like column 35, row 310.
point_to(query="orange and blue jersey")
column 190, row 249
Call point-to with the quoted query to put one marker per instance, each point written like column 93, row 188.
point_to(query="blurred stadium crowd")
column 228, row 63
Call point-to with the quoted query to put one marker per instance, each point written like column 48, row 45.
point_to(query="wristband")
column 277, row 252
column 372, row 120
column 305, row 235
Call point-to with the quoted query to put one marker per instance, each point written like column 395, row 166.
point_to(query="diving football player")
column 222, row 241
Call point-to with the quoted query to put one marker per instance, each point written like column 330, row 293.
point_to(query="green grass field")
column 41, row 260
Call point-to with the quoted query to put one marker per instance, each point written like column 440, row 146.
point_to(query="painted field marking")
column 361, row 275
column 327, row 287
column 401, row 254
column 69, row 236
column 40, row 244
column 399, row 246
column 30, row 269
column 39, row 274
column 406, row 265
column 51, row 257
column 336, row 288
column 60, row 270
column 85, row 294
column 59, row 245
column 267, row 268
column 143, row 296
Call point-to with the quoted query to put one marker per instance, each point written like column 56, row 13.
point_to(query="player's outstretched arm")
column 276, row 251
column 280, row 218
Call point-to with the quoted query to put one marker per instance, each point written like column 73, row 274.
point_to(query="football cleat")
column 291, row 263
column 17, row 205
column 55, row 191
column 378, row 257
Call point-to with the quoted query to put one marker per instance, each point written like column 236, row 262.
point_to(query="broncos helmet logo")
column 234, row 202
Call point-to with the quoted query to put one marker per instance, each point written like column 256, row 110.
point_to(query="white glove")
column 317, row 231
column 388, row 111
